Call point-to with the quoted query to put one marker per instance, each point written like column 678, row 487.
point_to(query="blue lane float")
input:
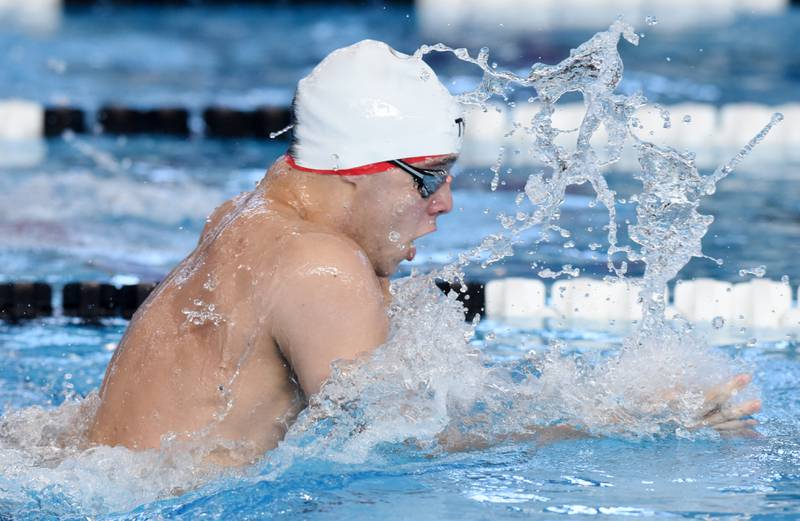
column 90, row 300
column 25, row 300
column 225, row 122
column 94, row 300
column 58, row 120
column 471, row 295
column 132, row 296
column 125, row 120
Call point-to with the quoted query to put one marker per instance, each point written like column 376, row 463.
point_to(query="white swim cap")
column 368, row 103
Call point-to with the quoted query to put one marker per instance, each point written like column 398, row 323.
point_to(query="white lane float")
column 761, row 303
column 21, row 134
column 756, row 305
column 443, row 19
column 21, row 120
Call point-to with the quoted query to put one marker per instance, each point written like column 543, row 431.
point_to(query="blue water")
column 706, row 478
column 249, row 55
column 72, row 216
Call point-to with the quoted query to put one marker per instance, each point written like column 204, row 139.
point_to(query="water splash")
column 656, row 382
column 428, row 385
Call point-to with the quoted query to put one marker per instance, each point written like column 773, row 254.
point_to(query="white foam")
column 44, row 453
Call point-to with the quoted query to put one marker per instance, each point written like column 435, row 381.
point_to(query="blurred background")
column 123, row 124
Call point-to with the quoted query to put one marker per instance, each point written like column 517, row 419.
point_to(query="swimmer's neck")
column 320, row 199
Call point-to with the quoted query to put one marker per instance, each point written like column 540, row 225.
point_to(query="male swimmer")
column 294, row 275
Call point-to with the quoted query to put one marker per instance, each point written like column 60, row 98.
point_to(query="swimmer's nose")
column 442, row 199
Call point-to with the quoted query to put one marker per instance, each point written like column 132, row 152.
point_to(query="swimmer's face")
column 389, row 214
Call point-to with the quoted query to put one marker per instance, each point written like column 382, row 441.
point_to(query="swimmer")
column 294, row 275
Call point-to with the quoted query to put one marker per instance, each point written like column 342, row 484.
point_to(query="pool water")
column 70, row 218
column 105, row 208
column 700, row 477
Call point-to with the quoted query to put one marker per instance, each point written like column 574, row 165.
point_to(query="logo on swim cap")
column 368, row 103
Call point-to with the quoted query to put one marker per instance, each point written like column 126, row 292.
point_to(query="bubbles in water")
column 651, row 20
column 687, row 118
column 758, row 271
column 718, row 322
column 496, row 170
column 394, row 236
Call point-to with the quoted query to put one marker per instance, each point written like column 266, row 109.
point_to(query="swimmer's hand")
column 728, row 418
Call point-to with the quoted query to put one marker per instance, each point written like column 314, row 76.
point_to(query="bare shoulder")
column 219, row 214
column 328, row 305
column 324, row 255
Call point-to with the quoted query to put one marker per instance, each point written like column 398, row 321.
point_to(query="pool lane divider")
column 762, row 304
column 27, row 120
column 714, row 133
column 25, row 300
column 258, row 123
column 97, row 300
column 124, row 120
column 86, row 300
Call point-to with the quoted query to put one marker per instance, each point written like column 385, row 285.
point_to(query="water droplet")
column 717, row 322
column 687, row 118
column 651, row 20
column 758, row 271
column 394, row 236
column 751, row 342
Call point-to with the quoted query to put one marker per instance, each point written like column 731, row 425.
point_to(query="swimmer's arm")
column 455, row 438
column 331, row 308
column 717, row 413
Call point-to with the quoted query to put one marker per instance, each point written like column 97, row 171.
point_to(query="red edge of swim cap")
column 372, row 168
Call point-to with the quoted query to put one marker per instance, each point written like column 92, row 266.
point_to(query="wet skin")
column 285, row 280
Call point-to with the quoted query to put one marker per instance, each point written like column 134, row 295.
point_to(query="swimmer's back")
column 207, row 334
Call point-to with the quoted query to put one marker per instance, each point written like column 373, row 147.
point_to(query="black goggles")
column 427, row 180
